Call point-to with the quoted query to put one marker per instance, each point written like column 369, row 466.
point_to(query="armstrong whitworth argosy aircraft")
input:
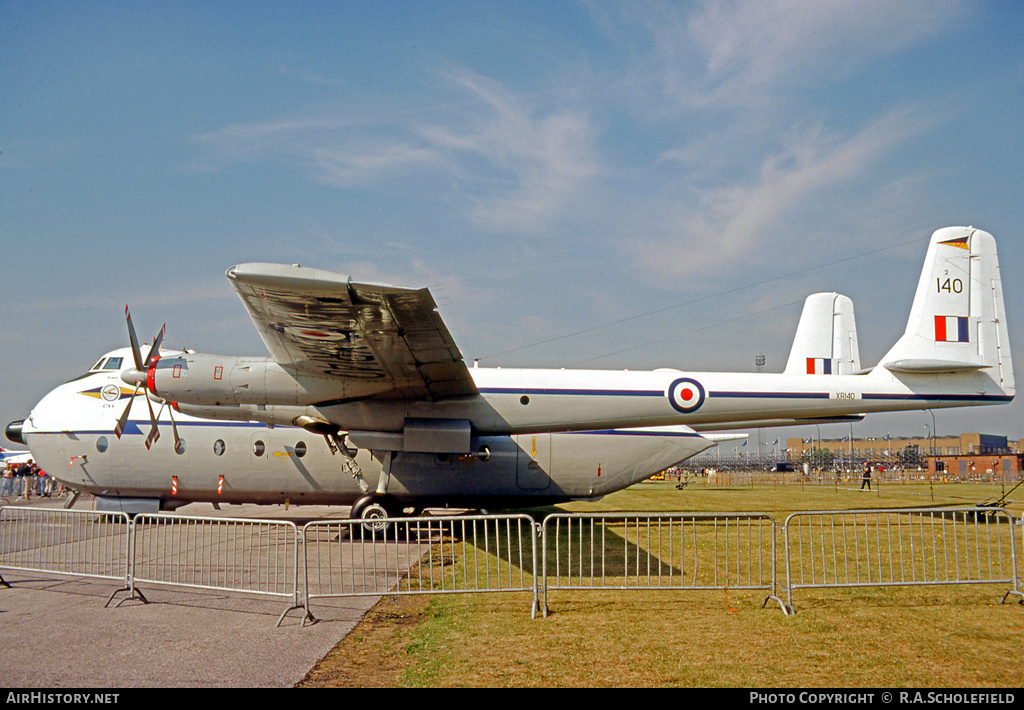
column 19, row 457
column 373, row 370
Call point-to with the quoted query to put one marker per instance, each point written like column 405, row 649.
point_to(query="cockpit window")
column 98, row 365
column 113, row 363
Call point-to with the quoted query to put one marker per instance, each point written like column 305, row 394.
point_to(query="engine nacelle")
column 278, row 415
column 216, row 380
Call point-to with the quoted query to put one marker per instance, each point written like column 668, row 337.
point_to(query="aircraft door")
column 533, row 468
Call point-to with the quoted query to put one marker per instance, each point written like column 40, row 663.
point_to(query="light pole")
column 817, row 456
column 932, row 412
column 851, row 448
column 928, row 438
column 759, row 364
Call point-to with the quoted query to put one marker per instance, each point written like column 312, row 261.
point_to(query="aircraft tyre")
column 372, row 510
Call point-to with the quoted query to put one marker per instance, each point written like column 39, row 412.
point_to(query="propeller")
column 137, row 377
column 154, row 433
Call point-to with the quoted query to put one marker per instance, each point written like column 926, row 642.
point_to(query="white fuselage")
column 71, row 434
column 516, row 401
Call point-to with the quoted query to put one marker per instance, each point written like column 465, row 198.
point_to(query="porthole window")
column 259, row 448
column 300, row 449
column 218, row 447
column 102, row 444
column 179, row 447
column 524, row 399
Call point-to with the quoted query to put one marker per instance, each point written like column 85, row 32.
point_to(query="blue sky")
column 612, row 185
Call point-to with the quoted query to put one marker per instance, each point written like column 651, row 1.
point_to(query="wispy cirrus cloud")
column 731, row 53
column 511, row 163
column 736, row 86
column 347, row 153
column 733, row 221
column 536, row 158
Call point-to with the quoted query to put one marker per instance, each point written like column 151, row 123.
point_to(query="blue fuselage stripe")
column 941, row 397
column 744, row 395
column 573, row 392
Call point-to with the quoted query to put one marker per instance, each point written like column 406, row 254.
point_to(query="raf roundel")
column 686, row 395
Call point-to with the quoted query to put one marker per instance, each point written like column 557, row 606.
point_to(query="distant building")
column 977, row 467
column 888, row 447
column 971, row 456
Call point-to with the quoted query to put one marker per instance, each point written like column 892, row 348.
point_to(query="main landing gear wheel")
column 377, row 513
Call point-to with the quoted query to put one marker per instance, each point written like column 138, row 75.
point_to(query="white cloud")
column 513, row 164
column 733, row 221
column 536, row 158
column 743, row 52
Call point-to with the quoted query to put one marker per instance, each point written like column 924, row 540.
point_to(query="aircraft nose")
column 14, row 432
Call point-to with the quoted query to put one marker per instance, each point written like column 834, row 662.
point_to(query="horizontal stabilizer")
column 719, row 438
column 765, row 423
column 932, row 366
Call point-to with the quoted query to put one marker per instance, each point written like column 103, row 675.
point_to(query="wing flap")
column 320, row 323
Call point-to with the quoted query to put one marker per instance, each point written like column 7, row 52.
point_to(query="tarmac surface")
column 56, row 633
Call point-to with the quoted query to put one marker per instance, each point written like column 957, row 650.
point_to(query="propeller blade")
column 154, row 433
column 174, row 427
column 122, row 421
column 155, row 349
column 136, row 354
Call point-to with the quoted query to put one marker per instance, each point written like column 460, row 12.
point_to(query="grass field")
column 936, row 636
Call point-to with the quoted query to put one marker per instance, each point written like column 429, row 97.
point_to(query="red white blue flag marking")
column 819, row 366
column 951, row 329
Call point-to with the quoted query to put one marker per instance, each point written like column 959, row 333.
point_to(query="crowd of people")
column 25, row 480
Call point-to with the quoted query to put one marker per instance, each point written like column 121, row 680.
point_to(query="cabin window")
column 179, row 448
column 102, row 444
column 218, row 447
column 259, row 448
column 300, row 449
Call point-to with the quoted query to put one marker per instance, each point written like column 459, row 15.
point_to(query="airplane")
column 406, row 424
column 18, row 457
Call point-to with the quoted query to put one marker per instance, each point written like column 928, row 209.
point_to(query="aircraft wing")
column 322, row 324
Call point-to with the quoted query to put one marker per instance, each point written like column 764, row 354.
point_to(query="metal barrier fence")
column 660, row 551
column 900, row 547
column 81, row 543
column 238, row 555
column 459, row 554
column 431, row 555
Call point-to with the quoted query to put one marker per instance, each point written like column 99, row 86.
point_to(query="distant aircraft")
column 19, row 457
column 373, row 370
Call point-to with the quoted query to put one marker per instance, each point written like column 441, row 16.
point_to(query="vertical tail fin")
column 826, row 338
column 958, row 320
